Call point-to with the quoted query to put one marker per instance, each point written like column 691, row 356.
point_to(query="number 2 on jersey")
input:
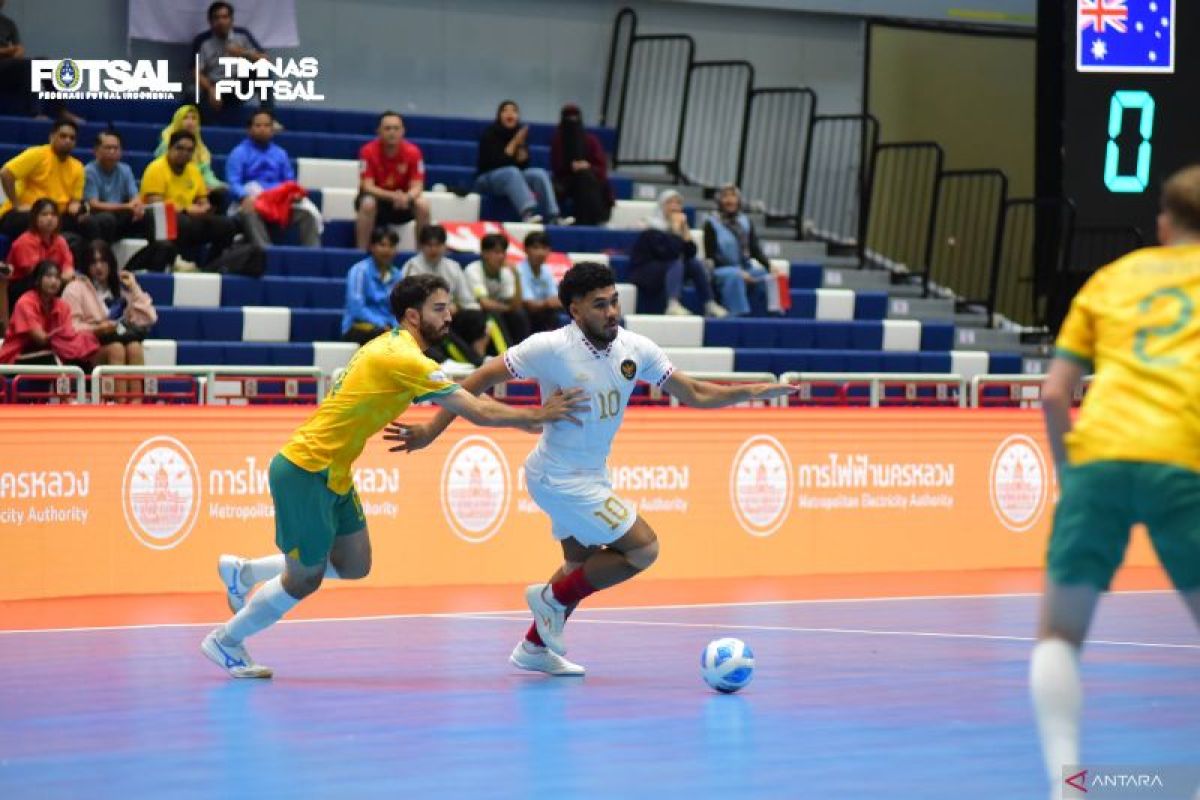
column 1141, row 338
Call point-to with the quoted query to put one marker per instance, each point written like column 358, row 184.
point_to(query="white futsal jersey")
column 566, row 473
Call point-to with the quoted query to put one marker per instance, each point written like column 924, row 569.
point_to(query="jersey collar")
column 578, row 334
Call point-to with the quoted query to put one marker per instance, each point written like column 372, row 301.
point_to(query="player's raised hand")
column 566, row 405
column 411, row 437
column 769, row 391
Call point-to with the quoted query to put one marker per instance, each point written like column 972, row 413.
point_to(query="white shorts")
column 581, row 506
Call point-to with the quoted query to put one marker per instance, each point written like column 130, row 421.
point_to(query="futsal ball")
column 727, row 665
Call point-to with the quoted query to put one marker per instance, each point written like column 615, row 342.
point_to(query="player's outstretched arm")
column 418, row 437
column 703, row 394
column 565, row 405
column 1062, row 380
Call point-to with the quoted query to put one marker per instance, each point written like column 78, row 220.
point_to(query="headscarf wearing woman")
column 658, row 220
column 201, row 156
column 573, row 136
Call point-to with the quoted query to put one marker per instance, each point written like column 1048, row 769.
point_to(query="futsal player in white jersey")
column 604, row 540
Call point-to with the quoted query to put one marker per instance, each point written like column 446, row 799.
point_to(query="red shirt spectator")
column 30, row 248
column 42, row 319
column 396, row 172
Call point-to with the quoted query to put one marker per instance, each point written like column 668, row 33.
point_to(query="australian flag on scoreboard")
column 1125, row 35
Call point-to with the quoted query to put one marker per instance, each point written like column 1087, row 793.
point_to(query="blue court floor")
column 921, row 698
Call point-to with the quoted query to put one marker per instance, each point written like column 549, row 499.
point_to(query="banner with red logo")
column 127, row 500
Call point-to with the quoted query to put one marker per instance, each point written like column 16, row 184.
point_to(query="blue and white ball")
column 727, row 665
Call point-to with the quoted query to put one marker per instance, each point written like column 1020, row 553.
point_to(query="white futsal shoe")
column 549, row 616
column 236, row 592
column 232, row 658
column 529, row 656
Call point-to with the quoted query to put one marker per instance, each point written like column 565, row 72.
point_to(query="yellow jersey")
column 383, row 378
column 182, row 189
column 1135, row 320
column 40, row 173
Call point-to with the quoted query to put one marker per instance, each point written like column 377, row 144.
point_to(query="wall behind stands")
column 460, row 57
column 972, row 94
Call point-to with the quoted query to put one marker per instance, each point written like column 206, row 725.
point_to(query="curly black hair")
column 584, row 277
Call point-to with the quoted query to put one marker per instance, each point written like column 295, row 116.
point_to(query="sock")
column 257, row 570
column 573, row 588
column 532, row 635
column 1058, row 702
column 265, row 608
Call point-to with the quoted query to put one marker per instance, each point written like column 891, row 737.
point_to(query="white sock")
column 257, row 570
column 1058, row 702
column 265, row 608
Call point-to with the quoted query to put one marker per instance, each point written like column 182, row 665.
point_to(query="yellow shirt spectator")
column 39, row 172
column 182, row 189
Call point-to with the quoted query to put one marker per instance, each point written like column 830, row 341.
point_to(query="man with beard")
column 319, row 524
column 604, row 540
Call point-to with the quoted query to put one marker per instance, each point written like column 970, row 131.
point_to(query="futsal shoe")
column 236, row 592
column 530, row 657
column 549, row 616
column 232, row 658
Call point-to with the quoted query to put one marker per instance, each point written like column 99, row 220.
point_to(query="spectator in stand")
column 391, row 181
column 42, row 242
column 223, row 38
column 41, row 320
column 115, row 209
column 494, row 285
column 15, row 76
column 740, row 267
column 467, row 341
column 174, row 178
column 539, row 289
column 46, row 170
column 503, row 169
column 257, row 165
column 663, row 256
column 187, row 118
column 369, row 285
column 580, row 169
column 110, row 303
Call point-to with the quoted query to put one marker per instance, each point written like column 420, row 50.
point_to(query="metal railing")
column 624, row 29
column 654, row 91
column 837, row 171
column 715, row 123
column 1033, row 249
column 876, row 390
column 967, row 233
column 1015, row 391
column 210, row 385
column 774, row 149
column 66, row 384
column 902, row 204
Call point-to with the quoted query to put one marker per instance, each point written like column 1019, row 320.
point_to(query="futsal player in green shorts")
column 1132, row 455
column 319, row 524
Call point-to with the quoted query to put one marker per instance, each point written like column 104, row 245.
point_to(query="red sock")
column 532, row 637
column 573, row 588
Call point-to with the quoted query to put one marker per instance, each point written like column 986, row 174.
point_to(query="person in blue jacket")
column 368, row 289
column 257, row 165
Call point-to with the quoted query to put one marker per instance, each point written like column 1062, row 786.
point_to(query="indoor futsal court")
column 591, row 400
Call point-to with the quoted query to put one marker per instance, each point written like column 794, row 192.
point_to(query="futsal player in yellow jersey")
column 1132, row 455
column 319, row 524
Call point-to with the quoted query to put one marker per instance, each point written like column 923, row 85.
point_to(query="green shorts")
column 1102, row 500
column 308, row 515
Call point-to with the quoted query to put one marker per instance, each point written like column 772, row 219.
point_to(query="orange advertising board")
column 127, row 501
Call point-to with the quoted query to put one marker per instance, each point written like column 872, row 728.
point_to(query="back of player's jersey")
column 1136, row 320
column 565, row 359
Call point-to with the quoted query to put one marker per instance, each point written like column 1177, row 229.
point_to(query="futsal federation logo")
column 161, row 492
column 476, row 488
column 67, row 76
column 1018, row 483
column 760, row 485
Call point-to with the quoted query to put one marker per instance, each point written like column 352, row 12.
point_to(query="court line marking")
column 851, row 631
column 510, row 612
